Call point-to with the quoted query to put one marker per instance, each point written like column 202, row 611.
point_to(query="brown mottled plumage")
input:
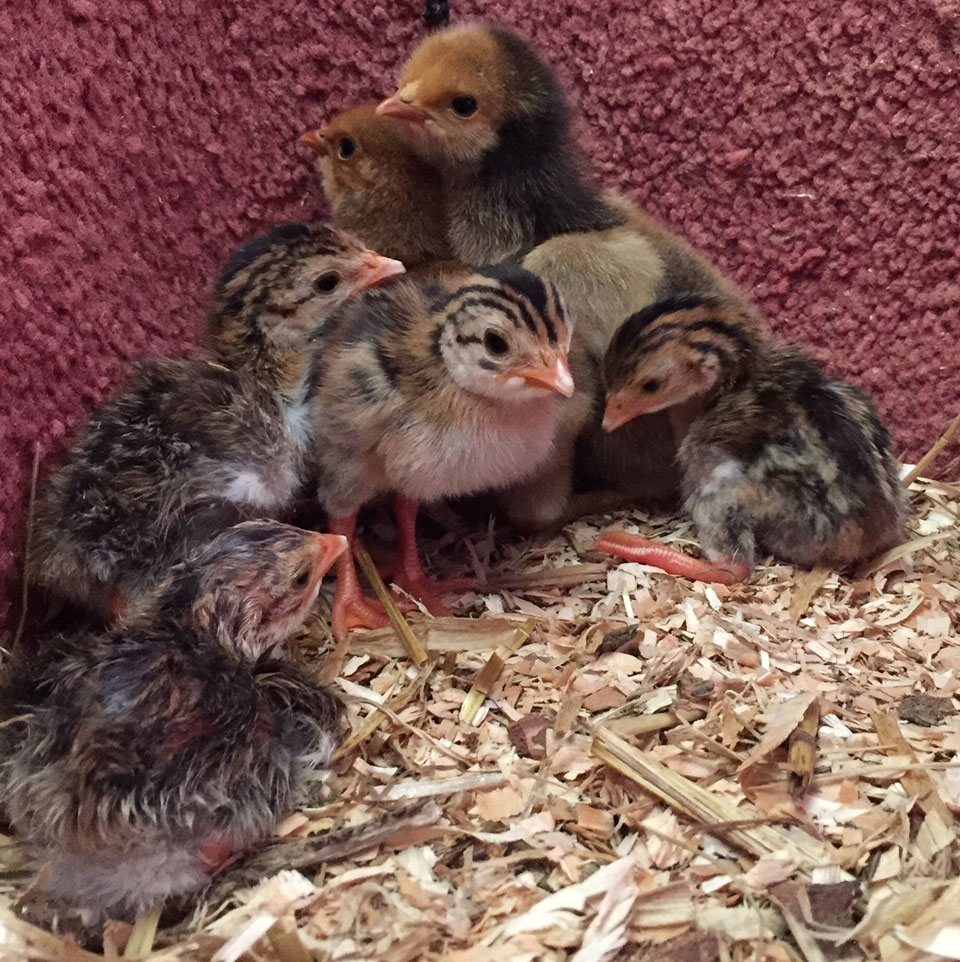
column 777, row 456
column 136, row 761
column 514, row 186
column 188, row 447
column 379, row 188
column 432, row 389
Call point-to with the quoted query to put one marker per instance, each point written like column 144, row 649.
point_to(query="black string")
column 437, row 13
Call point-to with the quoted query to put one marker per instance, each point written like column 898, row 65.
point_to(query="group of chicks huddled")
column 547, row 344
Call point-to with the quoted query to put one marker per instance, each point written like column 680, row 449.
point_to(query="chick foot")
column 409, row 574
column 634, row 547
column 351, row 608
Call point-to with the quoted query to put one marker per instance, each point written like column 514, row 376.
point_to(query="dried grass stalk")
column 416, row 651
column 938, row 446
column 715, row 813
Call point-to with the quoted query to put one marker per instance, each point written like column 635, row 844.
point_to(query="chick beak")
column 314, row 139
column 376, row 269
column 401, row 109
column 622, row 406
column 554, row 374
column 331, row 547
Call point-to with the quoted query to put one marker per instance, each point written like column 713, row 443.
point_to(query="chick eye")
column 302, row 579
column 347, row 147
column 327, row 282
column 464, row 105
column 495, row 343
column 650, row 386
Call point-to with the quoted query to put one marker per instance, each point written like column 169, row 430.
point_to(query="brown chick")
column 777, row 456
column 434, row 389
column 379, row 189
column 480, row 104
column 188, row 447
column 137, row 761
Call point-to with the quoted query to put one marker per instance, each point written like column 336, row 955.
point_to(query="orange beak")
column 554, row 374
column 376, row 269
column 623, row 406
column 314, row 139
column 331, row 546
column 401, row 109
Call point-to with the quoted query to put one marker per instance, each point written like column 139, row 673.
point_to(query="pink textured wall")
column 809, row 148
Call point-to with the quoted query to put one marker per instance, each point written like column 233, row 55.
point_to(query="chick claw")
column 354, row 610
column 428, row 591
column 634, row 547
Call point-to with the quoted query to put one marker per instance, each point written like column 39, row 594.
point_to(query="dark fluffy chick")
column 137, row 761
column 777, row 456
column 188, row 447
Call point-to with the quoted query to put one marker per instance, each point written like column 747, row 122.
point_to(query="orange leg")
column 351, row 609
column 633, row 547
column 409, row 573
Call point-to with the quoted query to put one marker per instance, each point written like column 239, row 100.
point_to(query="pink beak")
column 331, row 547
column 401, row 109
column 377, row 269
column 554, row 374
column 623, row 406
column 314, row 139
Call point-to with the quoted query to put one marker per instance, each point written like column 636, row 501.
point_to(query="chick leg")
column 409, row 573
column 633, row 547
column 350, row 608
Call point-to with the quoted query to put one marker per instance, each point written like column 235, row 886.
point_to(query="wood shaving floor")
column 654, row 768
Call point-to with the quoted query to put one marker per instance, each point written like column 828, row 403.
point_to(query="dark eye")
column 347, row 147
column 650, row 386
column 495, row 343
column 327, row 282
column 464, row 105
column 302, row 579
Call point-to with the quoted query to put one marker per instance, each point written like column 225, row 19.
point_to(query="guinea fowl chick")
column 432, row 389
column 777, row 456
column 480, row 104
column 378, row 188
column 189, row 447
column 138, row 761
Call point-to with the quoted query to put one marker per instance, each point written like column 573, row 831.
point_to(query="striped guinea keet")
column 433, row 388
column 777, row 457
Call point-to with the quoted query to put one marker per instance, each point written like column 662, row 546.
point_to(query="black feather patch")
column 436, row 13
column 247, row 253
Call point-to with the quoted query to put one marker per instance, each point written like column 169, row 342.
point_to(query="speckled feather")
column 137, row 752
column 777, row 456
column 398, row 404
column 188, row 447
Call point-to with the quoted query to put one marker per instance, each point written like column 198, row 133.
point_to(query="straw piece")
column 445, row 635
column 377, row 717
column 938, row 446
column 657, row 722
column 416, row 651
column 711, row 810
column 140, row 943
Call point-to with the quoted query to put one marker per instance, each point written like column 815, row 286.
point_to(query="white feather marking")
column 247, row 487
